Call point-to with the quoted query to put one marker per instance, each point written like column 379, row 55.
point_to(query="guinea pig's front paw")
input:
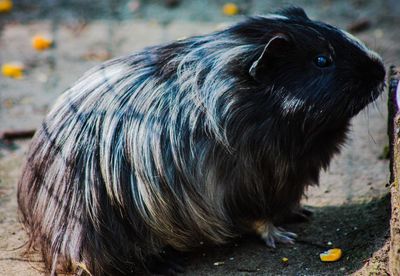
column 272, row 234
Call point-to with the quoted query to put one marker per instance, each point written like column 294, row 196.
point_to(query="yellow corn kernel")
column 230, row 9
column 12, row 70
column 285, row 260
column 41, row 43
column 6, row 6
column 8, row 103
column 331, row 255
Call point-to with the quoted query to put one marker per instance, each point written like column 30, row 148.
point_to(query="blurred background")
column 83, row 33
column 47, row 45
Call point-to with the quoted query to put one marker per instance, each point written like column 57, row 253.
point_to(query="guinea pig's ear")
column 293, row 13
column 275, row 47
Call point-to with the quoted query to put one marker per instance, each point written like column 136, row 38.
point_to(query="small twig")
column 21, row 260
column 359, row 26
column 172, row 3
column 17, row 134
column 15, row 248
column 250, row 270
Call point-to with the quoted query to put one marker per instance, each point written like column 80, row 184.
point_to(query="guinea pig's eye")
column 322, row 61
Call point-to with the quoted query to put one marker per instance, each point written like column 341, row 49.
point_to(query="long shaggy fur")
column 177, row 144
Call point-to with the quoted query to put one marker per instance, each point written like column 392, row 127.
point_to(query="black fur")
column 182, row 144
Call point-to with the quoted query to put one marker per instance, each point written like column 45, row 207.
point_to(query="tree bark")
column 394, row 143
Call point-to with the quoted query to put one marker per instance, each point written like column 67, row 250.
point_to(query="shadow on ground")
column 358, row 229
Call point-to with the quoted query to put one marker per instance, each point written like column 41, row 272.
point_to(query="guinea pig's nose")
column 371, row 70
column 378, row 71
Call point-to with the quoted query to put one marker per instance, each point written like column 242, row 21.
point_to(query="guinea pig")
column 192, row 142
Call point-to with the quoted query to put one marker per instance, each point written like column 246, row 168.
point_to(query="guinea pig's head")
column 315, row 69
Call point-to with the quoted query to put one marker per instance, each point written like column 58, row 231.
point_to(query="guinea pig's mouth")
column 369, row 83
column 377, row 91
column 360, row 103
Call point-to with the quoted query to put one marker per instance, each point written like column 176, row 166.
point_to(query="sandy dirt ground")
column 351, row 206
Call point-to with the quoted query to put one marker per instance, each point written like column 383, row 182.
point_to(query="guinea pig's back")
column 114, row 151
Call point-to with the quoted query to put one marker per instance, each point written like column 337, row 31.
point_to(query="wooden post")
column 394, row 143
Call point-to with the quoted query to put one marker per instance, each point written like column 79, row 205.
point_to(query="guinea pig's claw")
column 270, row 242
column 287, row 233
column 273, row 234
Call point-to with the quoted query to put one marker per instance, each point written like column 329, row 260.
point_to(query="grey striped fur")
column 175, row 145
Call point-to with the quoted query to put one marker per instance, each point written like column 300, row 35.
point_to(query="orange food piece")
column 41, row 43
column 230, row 9
column 5, row 6
column 12, row 70
column 331, row 255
